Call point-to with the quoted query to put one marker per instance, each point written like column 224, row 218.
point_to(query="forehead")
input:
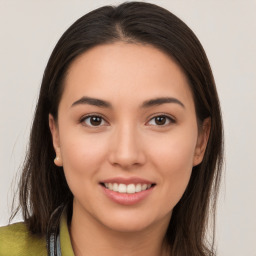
column 132, row 71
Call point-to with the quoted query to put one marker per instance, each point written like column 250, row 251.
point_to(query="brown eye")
column 161, row 120
column 93, row 121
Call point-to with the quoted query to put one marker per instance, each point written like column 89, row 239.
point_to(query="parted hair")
column 43, row 187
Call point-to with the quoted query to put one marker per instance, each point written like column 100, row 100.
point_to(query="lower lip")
column 125, row 198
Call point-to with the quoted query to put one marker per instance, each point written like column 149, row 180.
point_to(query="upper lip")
column 126, row 181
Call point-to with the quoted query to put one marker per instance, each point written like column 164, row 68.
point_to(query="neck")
column 91, row 238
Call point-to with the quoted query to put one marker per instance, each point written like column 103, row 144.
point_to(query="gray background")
column 227, row 29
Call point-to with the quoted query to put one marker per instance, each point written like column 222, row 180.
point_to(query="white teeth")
column 115, row 187
column 130, row 188
column 138, row 188
column 122, row 188
column 144, row 186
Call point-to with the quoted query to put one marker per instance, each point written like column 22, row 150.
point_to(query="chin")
column 130, row 222
column 128, row 226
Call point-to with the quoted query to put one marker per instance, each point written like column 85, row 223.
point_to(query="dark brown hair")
column 43, row 187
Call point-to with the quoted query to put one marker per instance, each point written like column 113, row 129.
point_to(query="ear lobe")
column 202, row 141
column 55, row 140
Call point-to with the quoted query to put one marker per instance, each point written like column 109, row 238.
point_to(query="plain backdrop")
column 227, row 29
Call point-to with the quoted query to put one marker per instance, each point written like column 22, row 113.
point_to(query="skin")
column 128, row 142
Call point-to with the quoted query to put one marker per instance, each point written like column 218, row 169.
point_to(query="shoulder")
column 16, row 239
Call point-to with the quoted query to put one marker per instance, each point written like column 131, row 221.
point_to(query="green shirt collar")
column 65, row 241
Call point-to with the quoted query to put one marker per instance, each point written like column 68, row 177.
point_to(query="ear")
column 55, row 140
column 202, row 141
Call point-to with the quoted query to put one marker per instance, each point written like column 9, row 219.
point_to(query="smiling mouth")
column 127, row 189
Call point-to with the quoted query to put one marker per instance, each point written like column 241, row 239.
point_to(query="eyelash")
column 171, row 120
column 90, row 116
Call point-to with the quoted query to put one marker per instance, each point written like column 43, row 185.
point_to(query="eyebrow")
column 159, row 101
column 92, row 101
column 145, row 104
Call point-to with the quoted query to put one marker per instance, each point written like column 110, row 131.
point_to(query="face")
column 126, row 136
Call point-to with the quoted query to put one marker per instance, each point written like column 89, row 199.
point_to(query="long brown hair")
column 43, row 187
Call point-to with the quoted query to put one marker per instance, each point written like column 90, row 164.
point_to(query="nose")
column 126, row 148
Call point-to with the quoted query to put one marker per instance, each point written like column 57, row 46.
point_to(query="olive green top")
column 16, row 240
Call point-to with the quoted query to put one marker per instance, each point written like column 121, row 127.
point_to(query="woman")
column 126, row 145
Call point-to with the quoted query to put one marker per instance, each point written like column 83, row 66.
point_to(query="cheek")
column 175, row 151
column 173, row 158
column 82, row 157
